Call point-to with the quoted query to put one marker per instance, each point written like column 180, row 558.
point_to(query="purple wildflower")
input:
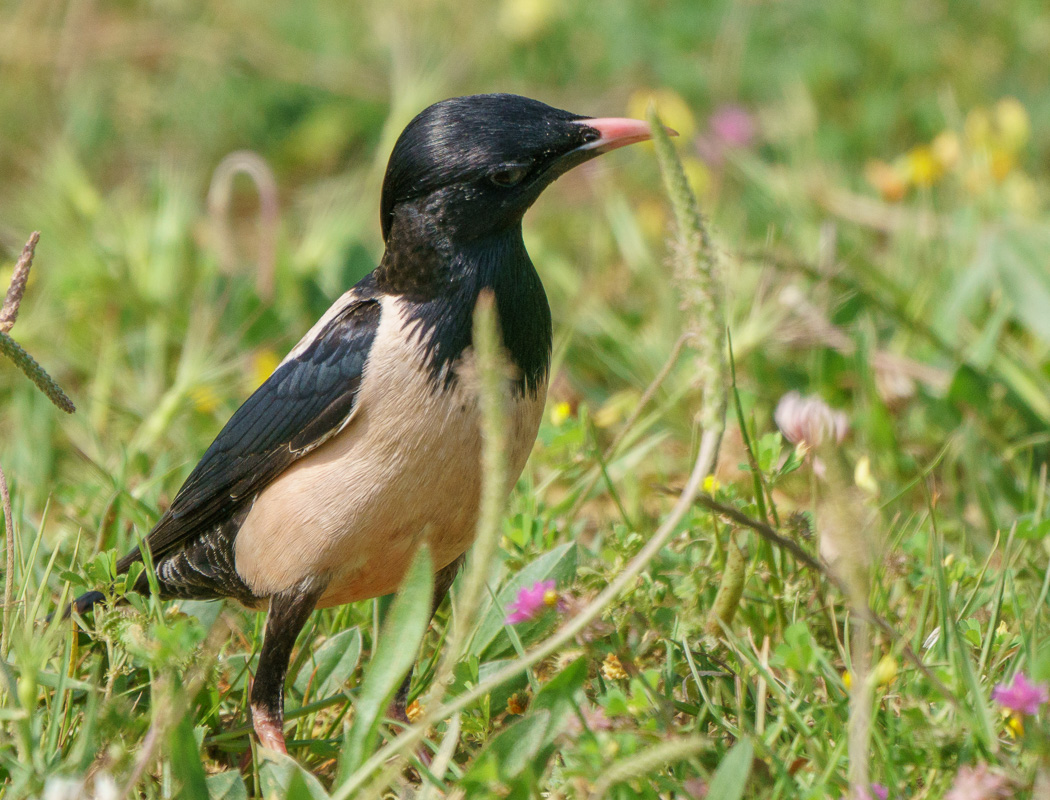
column 733, row 126
column 729, row 127
column 1022, row 695
column 531, row 601
column 878, row 792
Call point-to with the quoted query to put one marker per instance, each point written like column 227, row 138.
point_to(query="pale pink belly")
column 353, row 512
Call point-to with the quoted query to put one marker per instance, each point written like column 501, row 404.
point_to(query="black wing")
column 306, row 400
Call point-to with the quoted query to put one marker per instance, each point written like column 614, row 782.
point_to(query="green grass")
column 923, row 316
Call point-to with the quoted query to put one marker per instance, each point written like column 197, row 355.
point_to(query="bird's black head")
column 473, row 165
column 460, row 178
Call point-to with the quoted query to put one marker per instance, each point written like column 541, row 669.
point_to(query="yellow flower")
column 711, row 484
column 885, row 671
column 672, row 109
column 517, row 703
column 264, row 362
column 1015, row 724
column 978, row 127
column 205, row 399
column 414, row 711
column 923, row 168
column 1012, row 123
column 1002, row 162
column 525, row 20
column 612, row 669
column 863, row 478
column 946, row 149
column 1021, row 193
column 886, row 180
column 615, row 408
column 560, row 413
column 847, row 679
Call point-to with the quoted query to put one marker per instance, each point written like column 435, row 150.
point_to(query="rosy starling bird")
column 366, row 440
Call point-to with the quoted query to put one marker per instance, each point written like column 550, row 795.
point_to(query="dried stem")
column 10, row 348
column 861, row 695
column 25, row 362
column 9, row 580
column 19, row 278
column 697, row 274
column 253, row 165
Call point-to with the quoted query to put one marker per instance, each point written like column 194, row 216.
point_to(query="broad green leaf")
column 186, row 760
column 330, row 666
column 1022, row 257
column 499, row 696
column 523, row 749
column 560, row 695
column 979, row 711
column 281, row 776
column 510, row 752
column 228, row 785
column 204, row 611
column 767, row 451
column 1040, row 668
column 1028, row 527
column 798, row 650
column 730, row 779
column 394, row 655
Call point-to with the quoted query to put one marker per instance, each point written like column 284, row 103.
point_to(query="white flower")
column 809, row 420
column 63, row 789
column 978, row 783
column 105, row 787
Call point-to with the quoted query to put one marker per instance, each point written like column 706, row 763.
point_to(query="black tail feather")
column 87, row 600
column 81, row 605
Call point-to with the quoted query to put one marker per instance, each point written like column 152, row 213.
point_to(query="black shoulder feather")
column 306, row 400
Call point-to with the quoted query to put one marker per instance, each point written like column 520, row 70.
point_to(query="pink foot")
column 269, row 730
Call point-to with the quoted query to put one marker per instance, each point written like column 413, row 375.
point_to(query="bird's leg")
column 288, row 613
column 442, row 583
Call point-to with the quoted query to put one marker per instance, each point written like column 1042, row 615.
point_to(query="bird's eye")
column 511, row 176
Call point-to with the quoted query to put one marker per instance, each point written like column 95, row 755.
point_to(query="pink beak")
column 618, row 132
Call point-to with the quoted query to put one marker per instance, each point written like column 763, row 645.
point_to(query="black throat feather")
column 440, row 282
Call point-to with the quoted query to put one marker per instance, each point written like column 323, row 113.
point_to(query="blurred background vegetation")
column 877, row 175
column 114, row 117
